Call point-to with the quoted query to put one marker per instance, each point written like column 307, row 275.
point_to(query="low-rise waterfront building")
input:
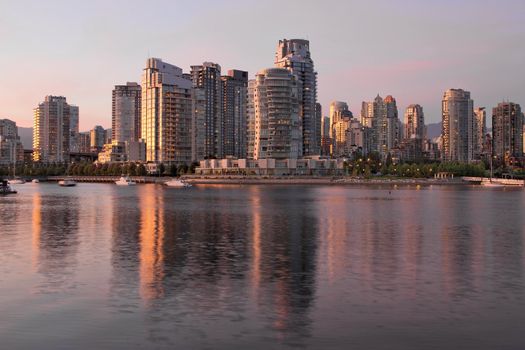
column 272, row 167
column 113, row 152
column 118, row 151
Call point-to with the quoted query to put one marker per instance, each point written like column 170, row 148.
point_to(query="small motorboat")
column 125, row 181
column 177, row 183
column 67, row 183
column 17, row 181
column 491, row 183
column 5, row 188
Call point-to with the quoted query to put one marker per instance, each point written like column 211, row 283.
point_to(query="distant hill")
column 26, row 136
column 433, row 130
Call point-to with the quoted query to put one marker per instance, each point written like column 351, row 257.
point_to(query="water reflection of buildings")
column 125, row 248
column 284, row 247
column 480, row 236
column 210, row 253
column 176, row 245
column 152, row 232
column 55, row 223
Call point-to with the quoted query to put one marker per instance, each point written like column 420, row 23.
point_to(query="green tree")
column 182, row 169
column 141, row 170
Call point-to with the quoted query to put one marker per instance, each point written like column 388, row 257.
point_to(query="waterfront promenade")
column 269, row 180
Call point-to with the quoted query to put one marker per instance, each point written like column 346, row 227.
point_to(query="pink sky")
column 410, row 49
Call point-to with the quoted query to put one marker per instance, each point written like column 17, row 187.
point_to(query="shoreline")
column 269, row 180
column 262, row 180
column 335, row 181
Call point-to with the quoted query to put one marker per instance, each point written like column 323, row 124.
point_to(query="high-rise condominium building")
column 84, row 142
column 326, row 141
column 250, row 117
column 319, row 122
column 277, row 96
column 381, row 116
column 125, row 113
column 97, row 138
column 414, row 122
column 51, row 130
column 479, row 131
column 507, row 131
column 390, row 134
column 235, row 94
column 295, row 56
column 371, row 118
column 412, row 146
column 166, row 115
column 340, row 117
column 457, row 135
column 356, row 139
column 208, row 124
column 11, row 148
column 74, row 128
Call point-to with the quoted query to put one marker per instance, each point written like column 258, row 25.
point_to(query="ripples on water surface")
column 320, row 267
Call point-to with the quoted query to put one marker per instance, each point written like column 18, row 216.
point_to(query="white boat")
column 5, row 188
column 17, row 181
column 177, row 183
column 67, row 183
column 35, row 181
column 125, row 181
column 491, row 183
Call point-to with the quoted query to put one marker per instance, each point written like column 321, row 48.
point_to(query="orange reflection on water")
column 256, row 238
column 151, row 243
column 36, row 228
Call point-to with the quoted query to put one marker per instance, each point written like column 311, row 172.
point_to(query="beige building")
column 340, row 117
column 166, row 116
column 125, row 112
column 458, row 120
column 97, row 138
column 414, row 123
column 118, row 151
column 51, row 130
column 381, row 117
column 295, row 56
column 11, row 148
column 356, row 139
column 250, row 116
column 479, row 131
column 271, row 167
column 277, row 121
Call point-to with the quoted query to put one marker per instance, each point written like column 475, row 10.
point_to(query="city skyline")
column 351, row 67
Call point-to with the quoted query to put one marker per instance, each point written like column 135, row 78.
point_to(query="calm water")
column 220, row 267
